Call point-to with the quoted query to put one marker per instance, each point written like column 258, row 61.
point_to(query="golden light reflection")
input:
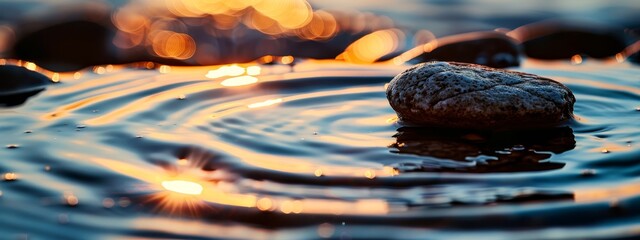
column 183, row 186
column 609, row 147
column 265, row 103
column 227, row 70
column 264, row 204
column 164, row 69
column 370, row 174
column 607, row 193
column 163, row 30
column 10, row 176
column 31, row 66
column 187, row 192
column 287, row 60
column 322, row 25
column 239, row 81
column 175, row 45
column 99, row 70
column 55, row 77
column 70, row 199
column 254, row 70
column 373, row 46
column 576, row 59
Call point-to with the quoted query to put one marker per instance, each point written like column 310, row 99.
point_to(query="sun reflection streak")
column 265, row 103
column 187, row 192
column 228, row 70
column 239, row 81
column 183, row 186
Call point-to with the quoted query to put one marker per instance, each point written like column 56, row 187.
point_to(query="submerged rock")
column 461, row 95
column 563, row 39
column 493, row 49
column 17, row 84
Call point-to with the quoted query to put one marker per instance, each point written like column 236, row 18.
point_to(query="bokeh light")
column 373, row 46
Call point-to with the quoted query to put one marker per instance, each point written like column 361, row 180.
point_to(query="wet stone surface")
column 469, row 96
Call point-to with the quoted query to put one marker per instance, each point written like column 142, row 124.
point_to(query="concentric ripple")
column 312, row 150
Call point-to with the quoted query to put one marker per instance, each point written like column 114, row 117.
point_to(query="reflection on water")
column 483, row 152
column 307, row 150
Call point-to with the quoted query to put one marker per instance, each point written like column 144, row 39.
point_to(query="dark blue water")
column 311, row 151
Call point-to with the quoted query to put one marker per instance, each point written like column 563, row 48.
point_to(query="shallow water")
column 309, row 151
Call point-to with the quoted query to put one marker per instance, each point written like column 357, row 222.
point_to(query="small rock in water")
column 556, row 39
column 492, row 49
column 469, row 96
column 17, row 84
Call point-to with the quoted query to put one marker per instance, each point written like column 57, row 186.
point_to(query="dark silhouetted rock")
column 462, row 95
column 492, row 49
column 67, row 46
column 563, row 39
column 17, row 84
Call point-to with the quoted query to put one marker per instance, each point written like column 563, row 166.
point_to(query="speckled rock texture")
column 470, row 96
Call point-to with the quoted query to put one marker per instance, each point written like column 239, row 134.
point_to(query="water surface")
column 308, row 151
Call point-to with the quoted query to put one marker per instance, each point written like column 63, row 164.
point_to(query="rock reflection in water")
column 481, row 152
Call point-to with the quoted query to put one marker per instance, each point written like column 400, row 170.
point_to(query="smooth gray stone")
column 470, row 96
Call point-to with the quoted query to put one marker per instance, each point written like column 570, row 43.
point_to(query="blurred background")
column 66, row 35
